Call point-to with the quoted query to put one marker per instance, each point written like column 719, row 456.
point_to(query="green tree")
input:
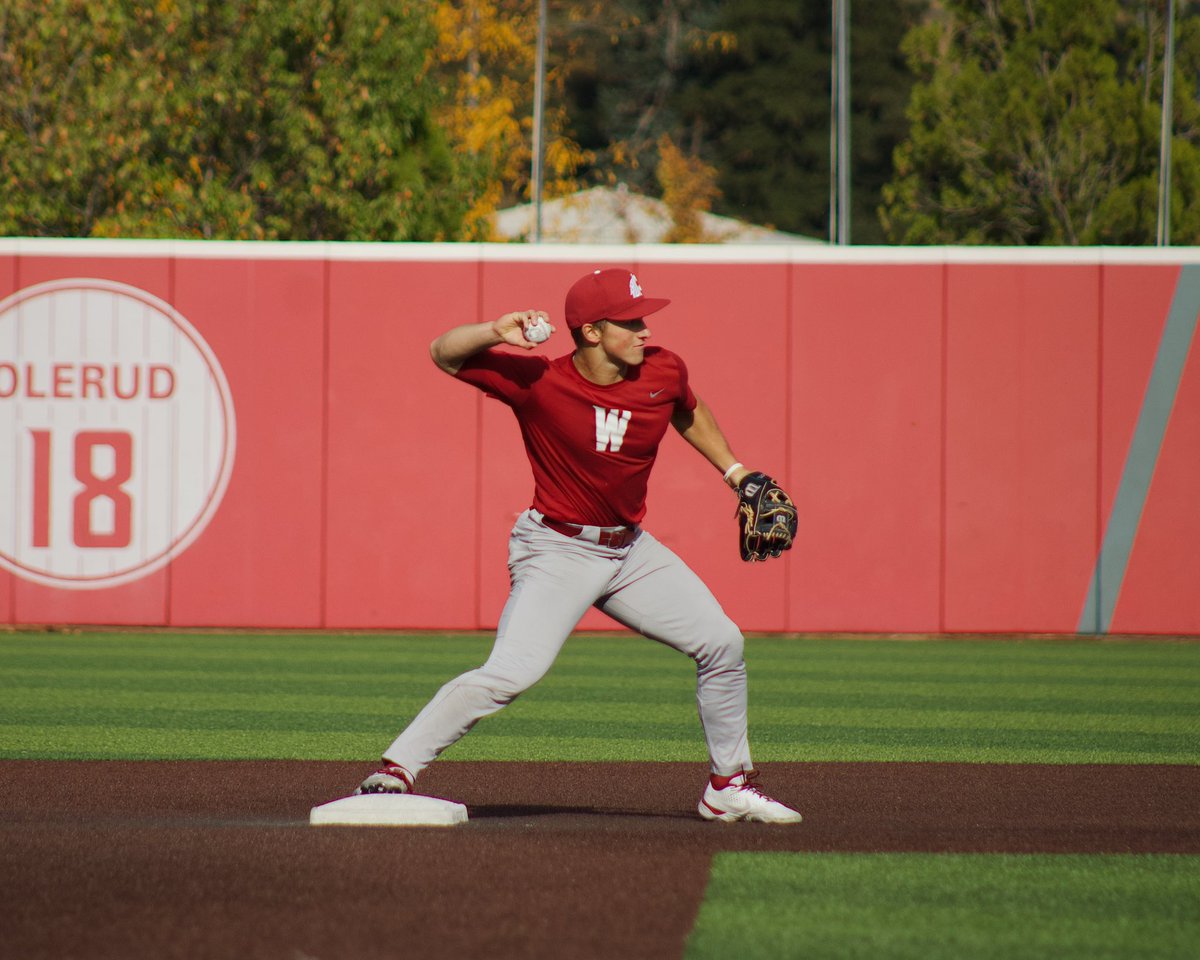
column 758, row 109
column 248, row 119
column 763, row 109
column 625, row 64
column 1038, row 123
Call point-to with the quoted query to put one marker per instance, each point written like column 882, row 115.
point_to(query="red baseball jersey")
column 591, row 446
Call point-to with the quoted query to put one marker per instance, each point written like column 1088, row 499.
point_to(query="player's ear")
column 591, row 331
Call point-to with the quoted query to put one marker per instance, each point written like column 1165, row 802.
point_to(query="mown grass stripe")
column 1031, row 745
column 1174, row 687
column 1015, row 702
column 816, row 651
column 792, row 739
column 23, row 688
column 82, row 743
column 1036, row 729
column 1168, row 676
column 79, row 743
column 565, row 706
column 948, row 906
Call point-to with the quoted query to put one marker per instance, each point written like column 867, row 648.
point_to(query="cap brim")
column 642, row 307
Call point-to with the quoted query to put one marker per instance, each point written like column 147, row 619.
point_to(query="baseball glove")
column 767, row 518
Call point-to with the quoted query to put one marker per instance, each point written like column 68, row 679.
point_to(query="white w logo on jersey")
column 610, row 428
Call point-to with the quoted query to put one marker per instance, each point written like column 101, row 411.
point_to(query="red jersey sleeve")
column 505, row 376
column 686, row 399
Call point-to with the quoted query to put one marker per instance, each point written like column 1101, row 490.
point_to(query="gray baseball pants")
column 643, row 586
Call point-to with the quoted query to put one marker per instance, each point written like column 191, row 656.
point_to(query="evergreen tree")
column 625, row 63
column 1038, row 123
column 761, row 110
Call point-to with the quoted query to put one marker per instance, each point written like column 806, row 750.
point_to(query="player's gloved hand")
column 767, row 519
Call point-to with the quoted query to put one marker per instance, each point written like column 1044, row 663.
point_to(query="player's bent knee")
column 724, row 646
column 506, row 687
column 733, row 645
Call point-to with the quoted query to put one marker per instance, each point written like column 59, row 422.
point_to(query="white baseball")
column 538, row 331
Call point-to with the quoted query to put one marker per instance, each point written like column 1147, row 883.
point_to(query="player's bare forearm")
column 453, row 348
column 699, row 428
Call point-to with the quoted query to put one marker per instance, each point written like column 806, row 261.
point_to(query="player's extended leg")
column 554, row 581
column 660, row 597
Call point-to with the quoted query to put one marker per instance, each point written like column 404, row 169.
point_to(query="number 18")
column 95, row 489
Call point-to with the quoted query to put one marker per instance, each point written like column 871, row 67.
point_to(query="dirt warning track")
column 116, row 859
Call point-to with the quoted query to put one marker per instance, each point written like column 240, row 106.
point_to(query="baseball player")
column 592, row 421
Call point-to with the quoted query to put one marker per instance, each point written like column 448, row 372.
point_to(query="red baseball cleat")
column 388, row 779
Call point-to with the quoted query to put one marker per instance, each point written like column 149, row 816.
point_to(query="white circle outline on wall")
column 216, row 493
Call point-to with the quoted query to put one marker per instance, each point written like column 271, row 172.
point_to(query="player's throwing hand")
column 524, row 328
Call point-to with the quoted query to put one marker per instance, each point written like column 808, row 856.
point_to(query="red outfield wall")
column 962, row 430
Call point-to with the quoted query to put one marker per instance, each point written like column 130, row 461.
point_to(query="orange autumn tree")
column 486, row 53
column 689, row 187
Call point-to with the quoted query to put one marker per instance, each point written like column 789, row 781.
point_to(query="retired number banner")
column 124, row 433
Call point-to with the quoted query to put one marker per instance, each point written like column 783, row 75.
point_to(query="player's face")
column 625, row 340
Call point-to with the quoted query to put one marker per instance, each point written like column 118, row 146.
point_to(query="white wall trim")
column 590, row 253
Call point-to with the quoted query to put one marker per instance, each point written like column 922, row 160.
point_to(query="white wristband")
column 729, row 472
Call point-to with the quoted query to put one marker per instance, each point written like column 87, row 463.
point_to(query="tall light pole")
column 1164, row 145
column 539, row 100
column 839, row 138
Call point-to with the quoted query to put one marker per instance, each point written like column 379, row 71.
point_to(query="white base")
column 388, row 810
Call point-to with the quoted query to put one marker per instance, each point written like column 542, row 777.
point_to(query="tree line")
column 1003, row 121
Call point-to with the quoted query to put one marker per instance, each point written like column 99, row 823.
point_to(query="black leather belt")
column 615, row 539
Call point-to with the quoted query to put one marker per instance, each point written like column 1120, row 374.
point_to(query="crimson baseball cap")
column 608, row 295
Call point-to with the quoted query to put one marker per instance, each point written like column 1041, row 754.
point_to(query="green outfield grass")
column 119, row 695
column 146, row 695
column 949, row 906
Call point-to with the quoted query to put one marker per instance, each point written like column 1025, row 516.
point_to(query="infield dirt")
column 572, row 861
